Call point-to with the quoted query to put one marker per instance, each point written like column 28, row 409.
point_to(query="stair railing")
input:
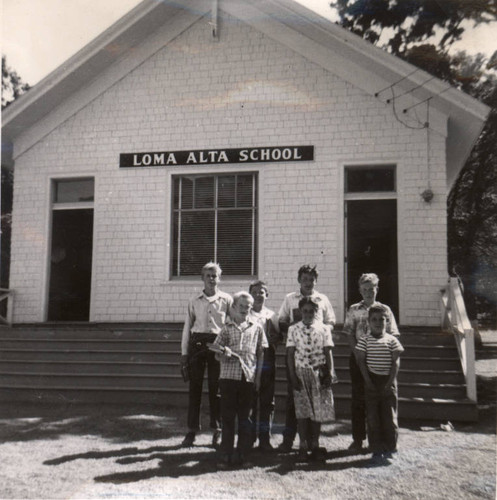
column 8, row 296
column 455, row 319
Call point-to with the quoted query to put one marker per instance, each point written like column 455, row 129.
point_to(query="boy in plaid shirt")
column 241, row 343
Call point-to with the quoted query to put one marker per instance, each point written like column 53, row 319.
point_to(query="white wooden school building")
column 253, row 133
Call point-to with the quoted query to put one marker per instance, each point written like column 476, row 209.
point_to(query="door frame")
column 374, row 195
column 51, row 207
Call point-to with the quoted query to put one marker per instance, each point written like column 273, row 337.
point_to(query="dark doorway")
column 70, row 267
column 371, row 247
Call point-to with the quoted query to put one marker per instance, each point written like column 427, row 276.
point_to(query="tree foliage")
column 12, row 88
column 422, row 32
column 12, row 84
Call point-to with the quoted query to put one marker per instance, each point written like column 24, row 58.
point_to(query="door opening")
column 371, row 247
column 69, row 290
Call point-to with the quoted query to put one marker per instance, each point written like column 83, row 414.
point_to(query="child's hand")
column 228, row 352
column 388, row 389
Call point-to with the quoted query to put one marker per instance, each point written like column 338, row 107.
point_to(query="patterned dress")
column 313, row 401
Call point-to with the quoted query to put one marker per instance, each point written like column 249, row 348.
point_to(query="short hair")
column 260, row 283
column 380, row 308
column 308, row 300
column 211, row 265
column 369, row 278
column 308, row 269
column 242, row 295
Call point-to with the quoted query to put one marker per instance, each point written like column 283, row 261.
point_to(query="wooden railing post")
column 470, row 364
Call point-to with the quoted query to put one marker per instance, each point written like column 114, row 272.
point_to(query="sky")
column 39, row 35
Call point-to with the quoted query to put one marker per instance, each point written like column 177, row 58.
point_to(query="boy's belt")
column 198, row 342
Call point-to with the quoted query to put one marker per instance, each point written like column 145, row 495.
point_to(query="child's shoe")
column 303, row 455
column 216, row 438
column 319, row 455
column 239, row 461
column 286, row 446
column 376, row 460
column 265, row 446
column 188, row 440
column 224, row 462
column 355, row 446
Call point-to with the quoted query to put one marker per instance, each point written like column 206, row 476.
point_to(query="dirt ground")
column 80, row 452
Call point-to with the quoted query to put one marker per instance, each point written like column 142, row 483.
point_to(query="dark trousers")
column 236, row 400
column 263, row 403
column 290, row 430
column 381, row 409
column 358, row 405
column 197, row 366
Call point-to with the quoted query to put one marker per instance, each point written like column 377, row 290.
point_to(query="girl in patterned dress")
column 310, row 365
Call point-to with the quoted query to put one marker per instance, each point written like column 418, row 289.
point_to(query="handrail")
column 455, row 319
column 8, row 295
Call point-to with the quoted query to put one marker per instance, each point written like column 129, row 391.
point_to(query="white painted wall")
column 241, row 91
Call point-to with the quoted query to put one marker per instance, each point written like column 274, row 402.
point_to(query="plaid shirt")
column 247, row 340
column 356, row 322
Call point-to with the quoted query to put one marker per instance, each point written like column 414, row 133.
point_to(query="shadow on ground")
column 117, row 423
column 175, row 462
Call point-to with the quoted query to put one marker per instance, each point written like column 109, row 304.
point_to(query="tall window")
column 215, row 218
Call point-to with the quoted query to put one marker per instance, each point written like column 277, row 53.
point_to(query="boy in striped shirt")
column 378, row 356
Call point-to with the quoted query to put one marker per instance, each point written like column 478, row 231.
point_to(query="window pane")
column 234, row 244
column 197, row 241
column 204, row 192
column 71, row 191
column 367, row 179
column 226, row 191
column 244, row 190
column 186, row 192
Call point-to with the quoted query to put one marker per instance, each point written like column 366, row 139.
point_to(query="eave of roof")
column 318, row 39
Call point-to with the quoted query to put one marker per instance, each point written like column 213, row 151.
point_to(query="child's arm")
column 330, row 364
column 290, row 352
column 258, row 370
column 361, row 361
column 394, row 371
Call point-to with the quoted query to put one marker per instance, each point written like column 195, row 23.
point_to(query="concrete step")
column 416, row 390
column 139, row 363
column 91, row 367
column 94, row 354
column 66, row 344
column 409, row 408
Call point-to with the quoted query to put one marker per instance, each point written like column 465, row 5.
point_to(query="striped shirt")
column 379, row 352
column 247, row 341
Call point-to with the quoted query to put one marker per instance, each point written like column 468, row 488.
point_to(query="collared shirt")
column 205, row 315
column 309, row 342
column 356, row 321
column 379, row 352
column 268, row 319
column 290, row 313
column 247, row 341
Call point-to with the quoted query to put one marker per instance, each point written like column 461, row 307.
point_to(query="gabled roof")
column 452, row 113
